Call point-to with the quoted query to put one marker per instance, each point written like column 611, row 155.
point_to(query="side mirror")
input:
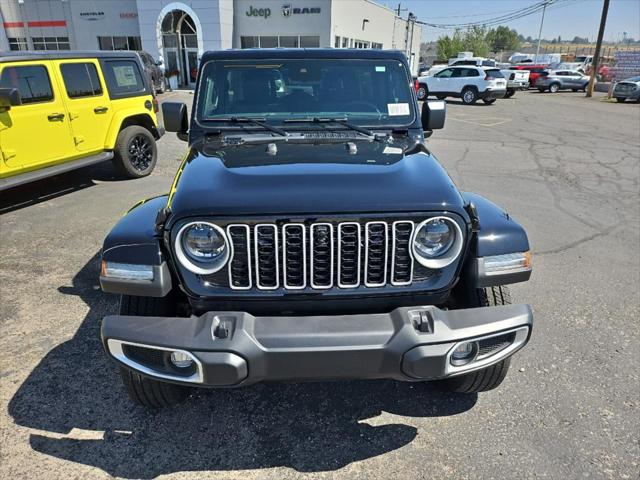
column 9, row 97
column 175, row 118
column 159, row 63
column 433, row 114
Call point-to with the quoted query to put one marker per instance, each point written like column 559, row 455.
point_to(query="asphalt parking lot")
column 566, row 167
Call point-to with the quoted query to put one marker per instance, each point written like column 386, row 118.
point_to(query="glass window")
column 268, row 42
column 446, row 73
column 50, row 43
column 18, row 43
column 31, row 81
column 105, row 43
column 120, row 43
column 190, row 41
column 345, row 43
column 81, row 79
column 493, row 74
column 289, row 42
column 336, row 44
column 248, row 42
column 373, row 92
column 309, row 41
column 134, row 43
column 123, row 76
column 170, row 40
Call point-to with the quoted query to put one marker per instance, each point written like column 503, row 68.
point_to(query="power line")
column 514, row 15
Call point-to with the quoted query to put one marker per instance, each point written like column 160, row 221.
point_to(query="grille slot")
column 401, row 256
column 266, row 253
column 240, row 264
column 349, row 245
column 375, row 257
column 321, row 255
column 294, row 255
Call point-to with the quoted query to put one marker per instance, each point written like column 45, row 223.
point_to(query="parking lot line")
column 483, row 122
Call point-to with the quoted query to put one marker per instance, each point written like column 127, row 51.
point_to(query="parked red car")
column 535, row 72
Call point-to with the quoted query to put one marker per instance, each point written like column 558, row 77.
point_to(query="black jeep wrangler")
column 310, row 234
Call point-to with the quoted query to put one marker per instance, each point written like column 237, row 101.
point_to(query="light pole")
column 544, row 9
column 596, row 55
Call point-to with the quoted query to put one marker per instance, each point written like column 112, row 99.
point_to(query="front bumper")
column 236, row 348
column 628, row 94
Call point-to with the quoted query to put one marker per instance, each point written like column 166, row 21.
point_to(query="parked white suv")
column 468, row 83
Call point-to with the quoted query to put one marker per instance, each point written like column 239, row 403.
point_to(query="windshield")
column 366, row 92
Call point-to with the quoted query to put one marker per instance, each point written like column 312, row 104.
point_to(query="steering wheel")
column 368, row 105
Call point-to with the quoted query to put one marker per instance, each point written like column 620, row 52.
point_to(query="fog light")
column 181, row 359
column 464, row 353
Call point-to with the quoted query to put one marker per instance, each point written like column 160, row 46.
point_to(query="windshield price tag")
column 396, row 109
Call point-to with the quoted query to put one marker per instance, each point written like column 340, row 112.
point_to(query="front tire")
column 510, row 93
column 554, row 88
column 489, row 101
column 142, row 390
column 135, row 153
column 490, row 377
column 620, row 100
column 469, row 96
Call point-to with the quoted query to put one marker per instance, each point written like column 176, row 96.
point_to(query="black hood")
column 312, row 179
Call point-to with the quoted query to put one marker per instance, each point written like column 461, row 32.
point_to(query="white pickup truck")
column 516, row 80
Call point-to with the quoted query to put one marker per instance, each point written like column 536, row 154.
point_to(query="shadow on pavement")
column 306, row 426
column 56, row 186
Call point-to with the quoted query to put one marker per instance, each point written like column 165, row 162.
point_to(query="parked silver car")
column 628, row 88
column 562, row 80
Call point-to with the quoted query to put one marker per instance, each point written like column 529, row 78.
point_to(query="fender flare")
column 134, row 240
column 120, row 117
column 497, row 234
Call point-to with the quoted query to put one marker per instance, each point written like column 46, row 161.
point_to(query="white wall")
column 383, row 26
column 116, row 21
column 313, row 24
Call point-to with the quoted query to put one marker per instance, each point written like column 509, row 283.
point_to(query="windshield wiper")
column 260, row 121
column 340, row 121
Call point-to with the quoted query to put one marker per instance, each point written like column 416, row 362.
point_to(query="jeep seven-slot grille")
column 321, row 255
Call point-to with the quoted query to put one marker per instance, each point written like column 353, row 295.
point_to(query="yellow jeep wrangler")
column 62, row 111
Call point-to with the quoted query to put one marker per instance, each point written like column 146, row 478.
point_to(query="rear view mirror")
column 433, row 114
column 175, row 118
column 9, row 97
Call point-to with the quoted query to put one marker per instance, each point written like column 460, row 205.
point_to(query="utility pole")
column 596, row 55
column 544, row 9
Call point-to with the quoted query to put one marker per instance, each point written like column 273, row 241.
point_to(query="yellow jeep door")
column 87, row 102
column 36, row 133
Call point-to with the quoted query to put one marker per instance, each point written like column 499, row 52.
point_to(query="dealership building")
column 179, row 32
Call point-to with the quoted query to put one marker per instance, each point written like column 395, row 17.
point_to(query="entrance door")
column 191, row 63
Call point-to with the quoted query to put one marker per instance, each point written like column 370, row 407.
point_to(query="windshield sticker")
column 396, row 109
column 391, row 150
column 381, row 69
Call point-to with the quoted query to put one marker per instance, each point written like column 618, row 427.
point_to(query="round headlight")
column 437, row 242
column 202, row 247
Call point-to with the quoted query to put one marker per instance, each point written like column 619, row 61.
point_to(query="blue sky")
column 567, row 19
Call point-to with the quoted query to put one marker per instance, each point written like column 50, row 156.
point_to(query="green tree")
column 503, row 38
column 475, row 40
column 449, row 46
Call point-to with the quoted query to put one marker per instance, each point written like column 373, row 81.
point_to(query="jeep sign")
column 258, row 12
